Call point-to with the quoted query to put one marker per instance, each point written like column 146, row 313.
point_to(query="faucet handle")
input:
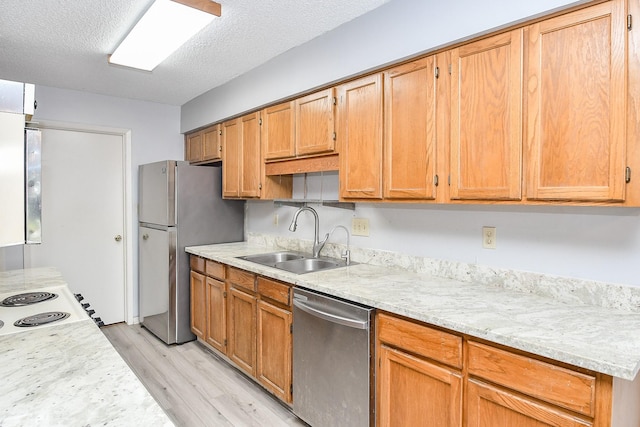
column 347, row 256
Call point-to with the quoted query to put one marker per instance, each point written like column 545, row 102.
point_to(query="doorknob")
column 118, row 238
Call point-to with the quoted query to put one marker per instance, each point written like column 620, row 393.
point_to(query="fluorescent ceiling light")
column 165, row 26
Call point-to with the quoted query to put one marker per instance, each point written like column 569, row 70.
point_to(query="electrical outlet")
column 360, row 227
column 489, row 237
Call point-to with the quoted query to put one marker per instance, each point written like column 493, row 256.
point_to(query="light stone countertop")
column 602, row 339
column 67, row 375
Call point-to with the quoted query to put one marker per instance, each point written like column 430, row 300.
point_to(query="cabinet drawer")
column 215, row 269
column 196, row 263
column 277, row 291
column 241, row 278
column 420, row 339
column 553, row 384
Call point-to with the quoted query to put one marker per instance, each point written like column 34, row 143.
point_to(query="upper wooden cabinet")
column 241, row 161
column 300, row 128
column 486, row 119
column 360, row 106
column 536, row 114
column 251, row 163
column 410, row 146
column 278, row 131
column 204, row 146
column 315, row 131
column 231, row 152
column 576, row 115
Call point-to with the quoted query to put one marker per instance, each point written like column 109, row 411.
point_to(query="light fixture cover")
column 161, row 31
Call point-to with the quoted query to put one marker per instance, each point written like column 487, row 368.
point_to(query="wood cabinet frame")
column 475, row 383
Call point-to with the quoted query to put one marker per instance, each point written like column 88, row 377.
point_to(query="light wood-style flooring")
column 193, row 385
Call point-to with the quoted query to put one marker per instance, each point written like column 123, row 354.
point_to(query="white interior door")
column 82, row 217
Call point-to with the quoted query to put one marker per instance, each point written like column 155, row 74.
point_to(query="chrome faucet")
column 317, row 245
column 347, row 254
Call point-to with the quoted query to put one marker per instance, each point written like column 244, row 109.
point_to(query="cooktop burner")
column 28, row 298
column 41, row 319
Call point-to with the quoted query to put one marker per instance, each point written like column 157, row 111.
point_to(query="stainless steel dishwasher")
column 332, row 354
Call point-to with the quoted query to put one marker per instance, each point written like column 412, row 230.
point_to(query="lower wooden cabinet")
column 242, row 330
column 198, row 304
column 488, row 405
column 216, row 333
column 424, row 380
column 413, row 390
column 274, row 348
column 246, row 318
column 415, row 385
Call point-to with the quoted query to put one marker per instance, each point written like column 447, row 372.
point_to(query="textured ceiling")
column 65, row 43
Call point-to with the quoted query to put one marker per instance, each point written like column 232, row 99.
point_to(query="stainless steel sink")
column 295, row 262
column 308, row 265
column 273, row 257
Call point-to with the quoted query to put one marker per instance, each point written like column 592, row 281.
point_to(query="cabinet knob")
column 145, row 236
column 118, row 238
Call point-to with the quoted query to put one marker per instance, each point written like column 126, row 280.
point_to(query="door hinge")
column 334, row 136
column 449, row 68
column 449, row 180
column 260, row 121
column 260, row 186
column 291, row 328
column 220, row 132
column 629, row 22
column 435, row 180
column 291, row 389
column 225, row 342
column 335, row 100
column 627, row 175
column 224, row 294
column 436, row 72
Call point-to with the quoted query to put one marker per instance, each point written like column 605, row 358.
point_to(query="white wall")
column 154, row 130
column 591, row 243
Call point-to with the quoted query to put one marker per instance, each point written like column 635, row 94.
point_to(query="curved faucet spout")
column 317, row 245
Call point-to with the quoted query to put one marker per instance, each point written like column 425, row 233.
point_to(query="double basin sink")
column 295, row 262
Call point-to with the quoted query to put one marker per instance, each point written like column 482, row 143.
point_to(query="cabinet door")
column 278, row 131
column 274, row 350
column 315, row 131
column 414, row 392
column 216, row 335
column 489, row 406
column 360, row 138
column 194, row 147
column 231, row 150
column 576, row 86
column 486, row 119
column 410, row 130
column 212, row 145
column 251, row 165
column 198, row 304
column 242, row 330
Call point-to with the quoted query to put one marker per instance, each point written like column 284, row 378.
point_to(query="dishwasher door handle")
column 340, row 320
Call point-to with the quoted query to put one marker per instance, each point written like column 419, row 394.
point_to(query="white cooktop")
column 65, row 302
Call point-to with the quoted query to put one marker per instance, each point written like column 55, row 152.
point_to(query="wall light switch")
column 359, row 227
column 489, row 237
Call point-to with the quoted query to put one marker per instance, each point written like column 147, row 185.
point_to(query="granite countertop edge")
column 591, row 337
column 67, row 374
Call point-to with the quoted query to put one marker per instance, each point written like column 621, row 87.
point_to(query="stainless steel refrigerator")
column 179, row 205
